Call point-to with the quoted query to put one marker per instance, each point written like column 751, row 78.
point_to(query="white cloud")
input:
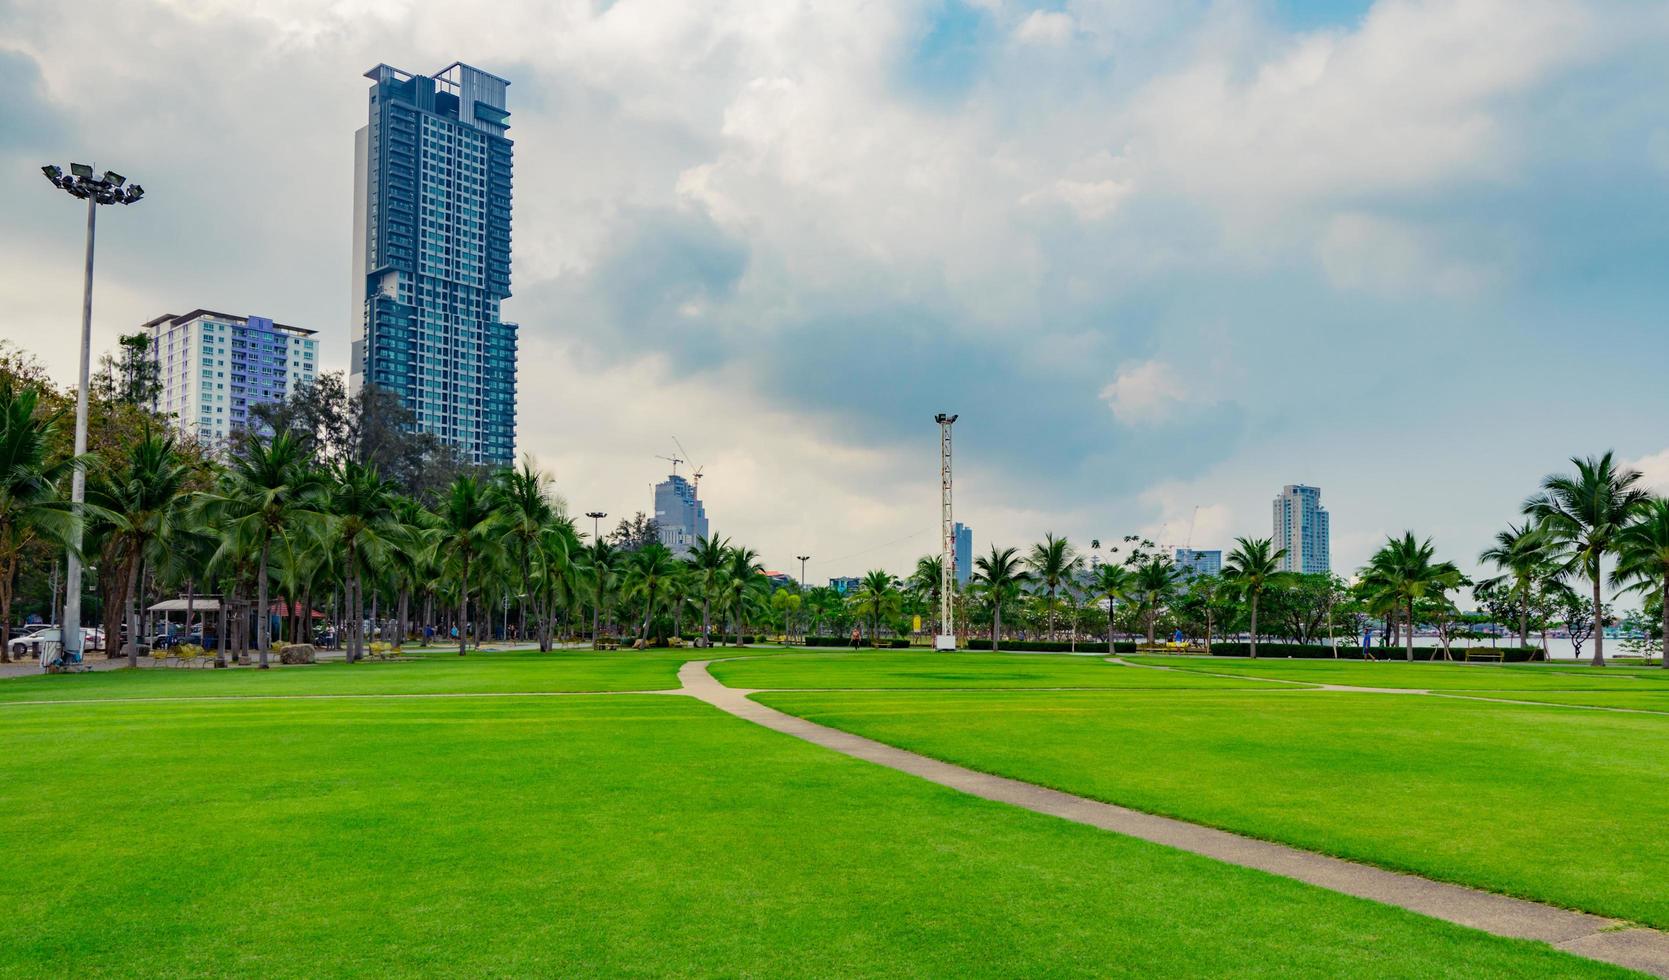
column 1655, row 469
column 1148, row 392
column 1045, row 27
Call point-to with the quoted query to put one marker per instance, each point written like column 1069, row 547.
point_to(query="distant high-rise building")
column 431, row 255
column 679, row 514
column 1193, row 562
column 963, row 535
column 214, row 368
column 846, row 584
column 1301, row 528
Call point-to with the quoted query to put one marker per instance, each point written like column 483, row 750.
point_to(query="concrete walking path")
column 1592, row 936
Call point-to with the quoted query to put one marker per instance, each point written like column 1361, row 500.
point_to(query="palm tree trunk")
column 1523, row 620
column 132, row 618
column 1663, row 646
column 1208, row 630
column 1253, row 636
column 1408, row 650
column 463, row 608
column 1110, row 648
column 220, row 630
column 1599, row 624
column 706, row 620
column 1152, row 615
column 263, row 627
column 996, row 626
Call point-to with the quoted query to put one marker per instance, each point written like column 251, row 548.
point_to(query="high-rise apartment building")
column 963, row 537
column 431, row 252
column 1194, row 562
column 845, row 584
column 1301, row 528
column 680, row 515
column 214, row 368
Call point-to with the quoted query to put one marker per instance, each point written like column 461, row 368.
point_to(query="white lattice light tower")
column 946, row 640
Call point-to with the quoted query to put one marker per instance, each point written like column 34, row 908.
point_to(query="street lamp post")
column 803, row 559
column 596, row 516
column 109, row 189
column 596, row 612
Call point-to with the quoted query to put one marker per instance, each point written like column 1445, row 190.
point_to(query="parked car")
column 167, row 641
column 92, row 638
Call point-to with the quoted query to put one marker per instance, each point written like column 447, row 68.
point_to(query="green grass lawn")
column 1426, row 676
column 892, row 670
column 431, row 673
column 1555, row 804
column 605, row 835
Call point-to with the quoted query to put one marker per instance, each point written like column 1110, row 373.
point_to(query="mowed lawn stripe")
column 908, row 670
column 607, row 835
column 1551, row 804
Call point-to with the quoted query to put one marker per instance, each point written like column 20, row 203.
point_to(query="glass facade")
column 680, row 514
column 432, row 255
column 1301, row 528
column 1194, row 562
column 962, row 537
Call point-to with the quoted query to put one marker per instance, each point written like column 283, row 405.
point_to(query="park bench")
column 608, row 644
column 1484, row 653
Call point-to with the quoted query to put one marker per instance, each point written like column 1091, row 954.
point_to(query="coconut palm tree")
column 1112, row 583
column 1522, row 553
column 1000, row 576
column 1404, row 571
column 1154, row 584
column 467, row 528
column 1583, row 514
column 877, row 596
column 649, row 571
column 270, row 489
column 1643, row 558
column 707, row 558
column 1253, row 565
column 926, row 582
column 744, row 584
column 31, row 507
column 1053, row 562
column 525, row 502
column 363, row 526
column 602, row 579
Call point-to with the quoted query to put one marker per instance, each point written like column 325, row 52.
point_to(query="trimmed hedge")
column 895, row 643
column 1054, row 646
column 1321, row 651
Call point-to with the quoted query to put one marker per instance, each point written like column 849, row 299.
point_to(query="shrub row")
column 896, row 642
column 1054, row 646
column 1321, row 651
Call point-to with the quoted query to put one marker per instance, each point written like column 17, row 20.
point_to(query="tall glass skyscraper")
column 432, row 255
column 962, row 539
column 680, row 514
column 1301, row 528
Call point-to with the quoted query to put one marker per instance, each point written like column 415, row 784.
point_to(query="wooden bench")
column 1484, row 653
column 608, row 644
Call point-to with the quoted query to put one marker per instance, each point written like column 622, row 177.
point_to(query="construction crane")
column 674, row 460
column 695, row 470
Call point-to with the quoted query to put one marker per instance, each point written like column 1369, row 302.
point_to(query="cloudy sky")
column 1160, row 255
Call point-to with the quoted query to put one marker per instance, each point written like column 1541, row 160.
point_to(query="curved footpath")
column 1592, row 936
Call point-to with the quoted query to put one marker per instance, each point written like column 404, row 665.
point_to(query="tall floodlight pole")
column 946, row 640
column 596, row 528
column 108, row 189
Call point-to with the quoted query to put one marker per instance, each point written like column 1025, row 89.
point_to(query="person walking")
column 857, row 638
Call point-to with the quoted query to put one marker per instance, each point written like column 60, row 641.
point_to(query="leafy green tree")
column 363, row 526
column 1523, row 554
column 31, row 508
column 708, row 559
column 1112, row 584
column 926, row 581
column 744, row 585
column 1643, row 557
column 270, row 490
column 1405, row 571
column 526, row 507
column 466, row 531
column 877, row 596
column 649, row 570
column 1154, row 585
column 1053, row 562
column 1251, row 568
column 1001, row 576
column 1584, row 513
